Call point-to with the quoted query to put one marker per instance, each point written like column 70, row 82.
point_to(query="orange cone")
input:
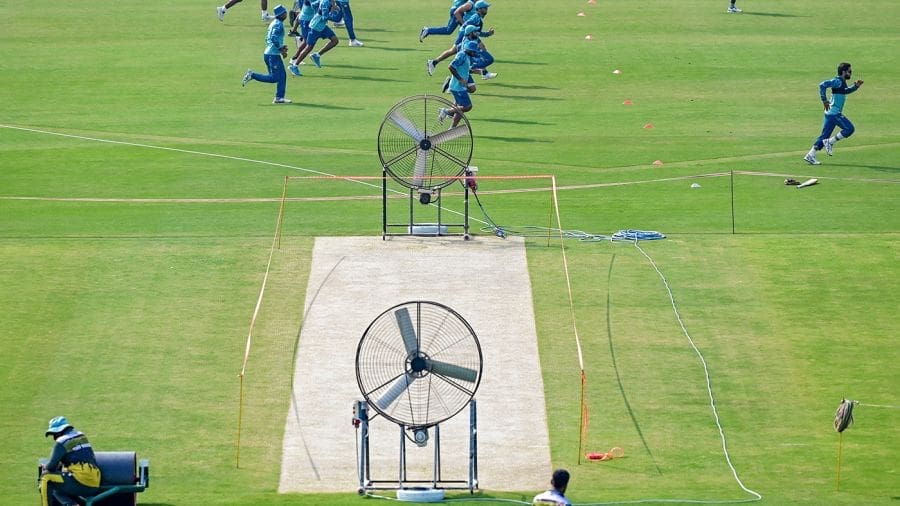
column 581, row 14
column 617, row 72
column 627, row 102
column 658, row 163
column 592, row 2
column 649, row 125
column 588, row 37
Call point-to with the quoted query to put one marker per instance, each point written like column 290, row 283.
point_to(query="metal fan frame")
column 413, row 367
column 433, row 165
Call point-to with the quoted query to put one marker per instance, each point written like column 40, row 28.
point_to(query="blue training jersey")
column 308, row 11
column 839, row 92
column 473, row 18
column 461, row 63
column 320, row 20
column 274, row 37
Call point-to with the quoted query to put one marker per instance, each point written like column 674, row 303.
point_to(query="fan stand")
column 419, row 195
column 367, row 483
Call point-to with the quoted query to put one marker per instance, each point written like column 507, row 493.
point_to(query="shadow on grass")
column 773, row 14
column 515, row 62
column 357, row 67
column 328, row 106
column 401, row 49
column 856, row 166
column 363, row 78
column 512, row 121
column 521, row 86
column 516, row 97
column 510, row 139
column 378, row 30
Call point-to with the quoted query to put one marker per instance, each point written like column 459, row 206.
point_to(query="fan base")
column 420, row 494
column 428, row 230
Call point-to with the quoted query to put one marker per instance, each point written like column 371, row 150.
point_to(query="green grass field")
column 139, row 187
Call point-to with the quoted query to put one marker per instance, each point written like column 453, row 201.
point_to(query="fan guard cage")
column 418, row 363
column 417, row 150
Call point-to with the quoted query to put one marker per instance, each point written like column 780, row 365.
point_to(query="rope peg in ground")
column 613, row 453
column 843, row 418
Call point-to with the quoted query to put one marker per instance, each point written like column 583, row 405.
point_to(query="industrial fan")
column 423, row 154
column 419, row 151
column 418, row 364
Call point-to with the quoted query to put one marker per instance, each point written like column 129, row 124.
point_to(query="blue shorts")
column 314, row 36
column 462, row 98
column 304, row 28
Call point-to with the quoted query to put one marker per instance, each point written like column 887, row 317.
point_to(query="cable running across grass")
column 712, row 403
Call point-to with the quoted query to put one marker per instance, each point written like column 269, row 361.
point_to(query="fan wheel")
column 418, row 363
column 419, row 151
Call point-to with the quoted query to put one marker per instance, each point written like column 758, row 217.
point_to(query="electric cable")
column 493, row 227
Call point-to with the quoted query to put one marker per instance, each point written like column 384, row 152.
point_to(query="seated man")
column 556, row 496
column 72, row 470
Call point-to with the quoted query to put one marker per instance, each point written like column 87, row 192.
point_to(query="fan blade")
column 419, row 172
column 453, row 371
column 396, row 390
column 406, row 330
column 448, row 135
column 403, row 123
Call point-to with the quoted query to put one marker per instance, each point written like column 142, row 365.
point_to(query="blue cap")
column 469, row 29
column 481, row 4
column 280, row 10
column 57, row 425
column 471, row 45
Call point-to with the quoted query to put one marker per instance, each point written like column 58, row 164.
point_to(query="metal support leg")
column 384, row 203
column 402, row 455
column 473, row 447
column 437, row 455
column 466, row 214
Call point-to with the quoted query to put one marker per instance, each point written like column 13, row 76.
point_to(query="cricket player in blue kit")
column 307, row 12
column 346, row 20
column 460, row 86
column 452, row 23
column 475, row 19
column 318, row 29
column 274, row 52
column 834, row 112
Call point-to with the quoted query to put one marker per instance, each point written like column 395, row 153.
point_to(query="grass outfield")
column 138, row 198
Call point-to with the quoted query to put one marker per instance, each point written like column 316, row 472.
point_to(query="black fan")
column 418, row 364
column 418, row 150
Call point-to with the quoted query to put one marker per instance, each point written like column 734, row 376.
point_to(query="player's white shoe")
column 221, row 12
column 829, row 146
column 423, row 33
column 429, row 67
column 282, row 101
column 733, row 10
column 356, row 43
column 488, row 75
column 811, row 159
column 247, row 77
column 442, row 115
column 338, row 24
